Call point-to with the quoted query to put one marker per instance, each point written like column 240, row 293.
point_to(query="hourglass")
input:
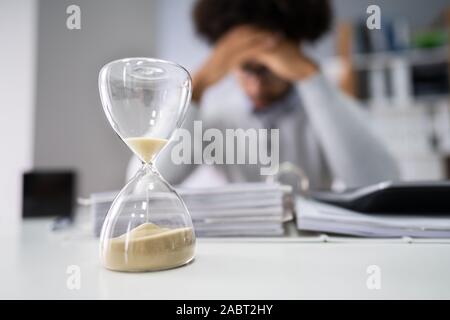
column 147, row 227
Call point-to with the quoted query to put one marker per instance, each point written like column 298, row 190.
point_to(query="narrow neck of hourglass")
column 149, row 167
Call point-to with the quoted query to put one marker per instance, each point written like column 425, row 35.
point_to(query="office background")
column 51, row 115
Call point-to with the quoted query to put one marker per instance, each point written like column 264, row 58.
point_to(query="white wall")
column 71, row 129
column 175, row 38
column 17, row 57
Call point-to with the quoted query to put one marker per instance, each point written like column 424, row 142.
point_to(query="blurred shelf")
column 413, row 57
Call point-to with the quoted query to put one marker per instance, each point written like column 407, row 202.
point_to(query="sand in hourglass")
column 146, row 148
column 149, row 247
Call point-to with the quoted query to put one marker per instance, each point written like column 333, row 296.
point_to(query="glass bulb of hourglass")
column 148, row 227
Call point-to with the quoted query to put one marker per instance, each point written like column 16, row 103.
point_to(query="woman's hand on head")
column 246, row 43
column 238, row 45
column 287, row 61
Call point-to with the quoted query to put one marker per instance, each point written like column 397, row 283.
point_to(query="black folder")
column 428, row 197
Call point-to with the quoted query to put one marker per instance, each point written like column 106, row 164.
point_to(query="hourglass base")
column 148, row 227
column 130, row 270
column 150, row 248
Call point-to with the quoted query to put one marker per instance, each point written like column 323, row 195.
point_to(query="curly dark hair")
column 297, row 20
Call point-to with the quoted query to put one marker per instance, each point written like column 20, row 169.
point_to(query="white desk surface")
column 34, row 263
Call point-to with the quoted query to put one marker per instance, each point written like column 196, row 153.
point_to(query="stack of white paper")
column 316, row 216
column 248, row 209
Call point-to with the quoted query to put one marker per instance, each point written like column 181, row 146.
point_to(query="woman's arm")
column 354, row 153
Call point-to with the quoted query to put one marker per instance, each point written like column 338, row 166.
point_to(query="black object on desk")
column 48, row 193
column 388, row 197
